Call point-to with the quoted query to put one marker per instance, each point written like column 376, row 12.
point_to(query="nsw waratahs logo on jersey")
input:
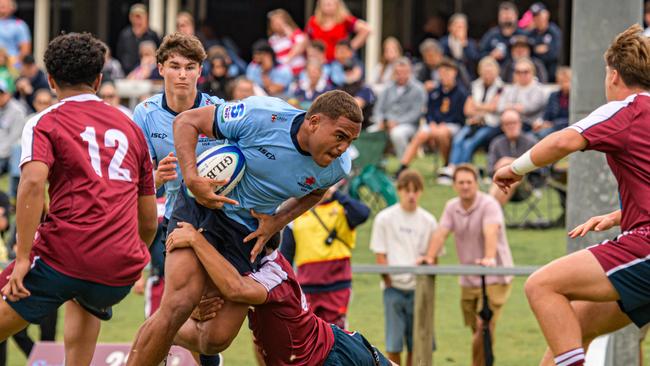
column 233, row 111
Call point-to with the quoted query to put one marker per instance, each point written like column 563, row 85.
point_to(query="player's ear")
column 98, row 83
column 160, row 69
column 314, row 121
column 51, row 82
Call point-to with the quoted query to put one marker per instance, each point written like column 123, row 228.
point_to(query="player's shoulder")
column 207, row 99
column 45, row 118
column 149, row 105
column 609, row 111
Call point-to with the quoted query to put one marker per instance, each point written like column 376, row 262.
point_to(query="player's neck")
column 180, row 103
column 72, row 92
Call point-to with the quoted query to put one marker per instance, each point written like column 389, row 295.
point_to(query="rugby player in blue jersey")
column 292, row 158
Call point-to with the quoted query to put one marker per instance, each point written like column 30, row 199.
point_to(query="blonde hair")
column 489, row 61
column 286, row 17
column 629, row 55
column 341, row 13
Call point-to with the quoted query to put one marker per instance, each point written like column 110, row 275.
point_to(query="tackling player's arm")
column 187, row 127
column 29, row 210
column 551, row 149
column 230, row 283
column 597, row 223
column 147, row 218
column 271, row 224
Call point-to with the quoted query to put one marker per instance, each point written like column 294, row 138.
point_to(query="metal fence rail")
column 456, row 270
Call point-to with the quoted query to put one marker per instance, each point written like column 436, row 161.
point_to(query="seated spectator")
column 128, row 43
column 31, row 79
column 427, row 70
column 399, row 107
column 345, row 67
column 400, row 235
column 382, row 74
column 241, row 88
column 445, row 117
column 112, row 68
column 265, row 71
column 519, row 49
column 505, row 149
column 287, row 40
column 482, row 123
column 496, row 42
column 556, row 113
column 315, row 85
column 220, row 51
column 7, row 72
column 546, row 38
column 108, row 93
column 316, row 52
column 12, row 121
column 147, row 69
column 459, row 47
column 525, row 95
column 15, row 37
column 217, row 81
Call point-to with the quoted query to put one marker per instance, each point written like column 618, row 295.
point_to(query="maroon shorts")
column 153, row 295
column 331, row 306
column 626, row 262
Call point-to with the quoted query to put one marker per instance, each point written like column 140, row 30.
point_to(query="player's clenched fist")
column 166, row 170
column 505, row 177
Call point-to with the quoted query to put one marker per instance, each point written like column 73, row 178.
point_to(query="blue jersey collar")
column 197, row 103
column 295, row 126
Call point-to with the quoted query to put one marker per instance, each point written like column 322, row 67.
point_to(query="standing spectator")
column 7, row 71
column 112, row 68
column 12, row 121
column 31, row 79
column 287, row 40
column 556, row 114
column 130, row 38
column 496, row 41
column 14, row 33
column 265, row 71
column 217, row 81
column 315, row 84
column 525, row 95
column 458, row 46
column 320, row 242
column 147, row 68
column 476, row 220
column 108, row 93
column 399, row 237
column 346, row 67
column 546, row 38
column 399, row 107
column 427, row 70
column 520, row 49
column 383, row 72
column 241, row 88
column 332, row 22
column 505, row 149
column 445, row 117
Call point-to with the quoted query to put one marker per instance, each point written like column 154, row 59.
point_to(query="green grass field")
column 518, row 339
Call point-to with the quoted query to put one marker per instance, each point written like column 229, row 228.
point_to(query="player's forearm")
column 186, row 136
column 29, row 209
column 616, row 217
column 557, row 146
column 295, row 207
column 147, row 218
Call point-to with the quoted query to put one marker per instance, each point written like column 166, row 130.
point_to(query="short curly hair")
column 183, row 45
column 75, row 58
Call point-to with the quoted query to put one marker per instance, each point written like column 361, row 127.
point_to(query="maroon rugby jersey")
column 99, row 164
column 284, row 328
column 621, row 129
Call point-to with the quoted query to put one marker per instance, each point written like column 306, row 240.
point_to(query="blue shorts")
column 50, row 289
column 353, row 349
column 225, row 234
column 398, row 316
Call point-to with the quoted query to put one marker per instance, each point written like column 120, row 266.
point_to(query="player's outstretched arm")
column 230, row 283
column 147, row 218
column 29, row 210
column 551, row 149
column 187, row 127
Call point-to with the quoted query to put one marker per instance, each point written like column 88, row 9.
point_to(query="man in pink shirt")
column 477, row 222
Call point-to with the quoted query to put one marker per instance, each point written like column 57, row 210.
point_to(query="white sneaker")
column 444, row 180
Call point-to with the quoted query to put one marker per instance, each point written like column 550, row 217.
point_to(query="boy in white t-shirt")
column 400, row 235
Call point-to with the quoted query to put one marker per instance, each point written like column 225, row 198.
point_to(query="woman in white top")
column 383, row 71
column 525, row 95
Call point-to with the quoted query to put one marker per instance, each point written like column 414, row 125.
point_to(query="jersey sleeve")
column 236, row 120
column 36, row 143
column 603, row 128
column 140, row 118
column 146, row 184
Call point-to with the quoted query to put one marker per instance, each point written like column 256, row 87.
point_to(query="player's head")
column 628, row 64
column 466, row 182
column 410, row 185
column 333, row 121
column 179, row 58
column 75, row 61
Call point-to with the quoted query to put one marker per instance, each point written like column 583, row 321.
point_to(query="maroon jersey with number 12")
column 99, row 165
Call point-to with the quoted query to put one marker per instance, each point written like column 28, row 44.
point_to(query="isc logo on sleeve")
column 233, row 111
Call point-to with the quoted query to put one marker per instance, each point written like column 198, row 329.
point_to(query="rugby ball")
column 222, row 162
